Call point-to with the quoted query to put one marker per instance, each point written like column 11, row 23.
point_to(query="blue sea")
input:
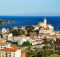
column 31, row 20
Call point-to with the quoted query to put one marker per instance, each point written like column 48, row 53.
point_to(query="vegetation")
column 18, row 32
column 54, row 55
column 51, row 49
column 32, row 53
column 29, row 29
column 15, row 33
column 57, row 44
column 2, row 22
column 45, row 52
column 27, row 43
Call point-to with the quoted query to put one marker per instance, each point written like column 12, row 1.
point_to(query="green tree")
column 29, row 28
column 27, row 43
column 54, row 55
column 45, row 52
column 57, row 44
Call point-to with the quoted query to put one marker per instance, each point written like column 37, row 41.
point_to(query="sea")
column 31, row 20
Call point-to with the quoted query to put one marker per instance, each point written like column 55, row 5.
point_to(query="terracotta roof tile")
column 8, row 50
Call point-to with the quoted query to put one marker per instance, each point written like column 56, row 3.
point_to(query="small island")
column 2, row 22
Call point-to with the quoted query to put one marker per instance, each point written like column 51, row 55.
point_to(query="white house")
column 10, row 52
column 4, row 30
column 36, row 27
column 24, row 39
column 36, row 41
column 10, row 37
column 4, row 33
column 4, row 44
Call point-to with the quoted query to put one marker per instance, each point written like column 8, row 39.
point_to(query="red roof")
column 9, row 50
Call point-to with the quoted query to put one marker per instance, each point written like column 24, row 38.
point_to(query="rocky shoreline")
column 2, row 22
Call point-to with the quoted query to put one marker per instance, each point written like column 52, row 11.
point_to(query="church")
column 45, row 27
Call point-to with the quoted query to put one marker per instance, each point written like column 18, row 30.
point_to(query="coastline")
column 3, row 22
column 30, row 20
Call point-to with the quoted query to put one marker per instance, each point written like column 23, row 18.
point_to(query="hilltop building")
column 45, row 27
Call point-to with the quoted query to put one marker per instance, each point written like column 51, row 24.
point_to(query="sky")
column 30, row 7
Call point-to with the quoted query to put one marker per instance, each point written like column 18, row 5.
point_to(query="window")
column 9, row 55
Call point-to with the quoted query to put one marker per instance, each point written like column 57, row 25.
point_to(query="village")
column 16, row 41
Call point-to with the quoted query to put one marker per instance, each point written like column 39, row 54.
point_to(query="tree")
column 15, row 33
column 57, row 44
column 32, row 53
column 27, row 43
column 54, row 55
column 29, row 28
column 45, row 52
